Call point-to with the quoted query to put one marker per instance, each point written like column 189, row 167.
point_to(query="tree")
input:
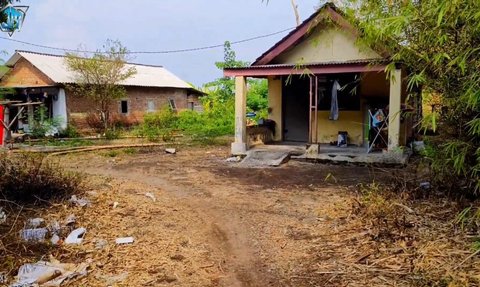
column 99, row 77
column 223, row 89
column 439, row 42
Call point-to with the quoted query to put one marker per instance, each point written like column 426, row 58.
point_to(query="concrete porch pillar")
column 239, row 147
column 395, row 107
column 275, row 106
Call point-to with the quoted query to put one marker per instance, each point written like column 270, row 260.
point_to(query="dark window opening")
column 172, row 105
column 348, row 96
column 124, row 107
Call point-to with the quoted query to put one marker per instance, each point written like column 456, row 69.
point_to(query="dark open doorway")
column 296, row 101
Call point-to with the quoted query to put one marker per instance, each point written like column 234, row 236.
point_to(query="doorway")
column 295, row 102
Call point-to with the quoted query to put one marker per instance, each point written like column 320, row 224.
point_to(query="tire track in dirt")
column 241, row 265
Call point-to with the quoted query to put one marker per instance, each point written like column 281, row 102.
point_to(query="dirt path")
column 213, row 224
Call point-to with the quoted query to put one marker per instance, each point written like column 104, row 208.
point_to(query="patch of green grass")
column 130, row 151
column 68, row 143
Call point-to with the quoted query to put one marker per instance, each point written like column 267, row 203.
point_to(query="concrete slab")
column 277, row 154
column 263, row 158
column 271, row 155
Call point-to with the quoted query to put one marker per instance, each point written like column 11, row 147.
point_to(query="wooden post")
column 395, row 107
column 239, row 147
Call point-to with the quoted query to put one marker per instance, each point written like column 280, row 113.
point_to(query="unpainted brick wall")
column 24, row 74
column 137, row 97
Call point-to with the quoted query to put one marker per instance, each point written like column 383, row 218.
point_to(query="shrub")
column 43, row 125
column 163, row 119
column 70, row 132
column 29, row 178
column 112, row 134
column 94, row 121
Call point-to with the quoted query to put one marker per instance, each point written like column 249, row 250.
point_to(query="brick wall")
column 138, row 98
column 24, row 74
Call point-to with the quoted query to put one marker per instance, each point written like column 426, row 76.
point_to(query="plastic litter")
column 3, row 216
column 71, row 219
column 35, row 222
column 100, row 244
column 55, row 227
column 425, row 185
column 150, row 195
column 171, row 151
column 115, row 204
column 81, row 202
column 34, row 234
column 55, row 239
column 51, row 273
column 234, row 159
column 76, row 236
column 125, row 240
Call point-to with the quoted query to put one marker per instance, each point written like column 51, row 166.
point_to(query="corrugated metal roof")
column 330, row 63
column 54, row 67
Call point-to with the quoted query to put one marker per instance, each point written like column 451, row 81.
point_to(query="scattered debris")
column 55, row 227
column 81, row 202
column 34, row 234
column 71, row 219
column 150, row 195
column 100, row 244
column 35, row 222
column 171, row 151
column 234, row 159
column 124, row 240
column 55, row 239
column 3, row 216
column 51, row 273
column 425, row 185
column 76, row 236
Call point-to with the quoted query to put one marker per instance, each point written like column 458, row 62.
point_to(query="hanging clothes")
column 334, row 111
column 378, row 118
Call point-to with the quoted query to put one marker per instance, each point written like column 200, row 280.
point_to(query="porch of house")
column 300, row 111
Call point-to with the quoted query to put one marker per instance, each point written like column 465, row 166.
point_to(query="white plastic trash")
column 34, row 234
column 125, row 240
column 76, row 236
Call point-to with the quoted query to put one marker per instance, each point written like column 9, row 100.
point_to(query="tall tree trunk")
column 295, row 10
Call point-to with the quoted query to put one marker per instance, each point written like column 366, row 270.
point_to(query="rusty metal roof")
column 55, row 67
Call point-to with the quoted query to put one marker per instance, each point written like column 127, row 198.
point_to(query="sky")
column 159, row 25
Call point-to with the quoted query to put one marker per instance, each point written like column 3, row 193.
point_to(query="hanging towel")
column 334, row 105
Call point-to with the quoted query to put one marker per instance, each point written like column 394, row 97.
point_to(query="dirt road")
column 213, row 223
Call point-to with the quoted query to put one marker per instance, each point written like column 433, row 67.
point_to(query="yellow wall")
column 275, row 105
column 326, row 44
column 349, row 121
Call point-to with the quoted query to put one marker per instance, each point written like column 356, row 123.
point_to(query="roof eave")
column 286, row 70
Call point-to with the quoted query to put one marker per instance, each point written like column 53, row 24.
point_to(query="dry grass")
column 390, row 240
column 32, row 179
column 30, row 186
